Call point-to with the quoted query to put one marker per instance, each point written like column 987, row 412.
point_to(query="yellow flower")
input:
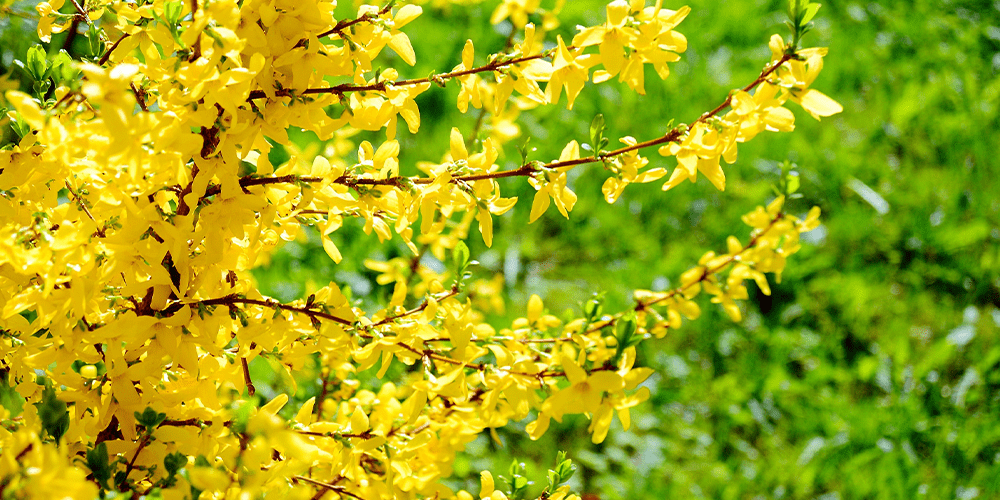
column 570, row 69
column 628, row 166
column 585, row 392
column 516, row 10
column 649, row 36
column 700, row 151
column 553, row 184
column 800, row 75
column 613, row 36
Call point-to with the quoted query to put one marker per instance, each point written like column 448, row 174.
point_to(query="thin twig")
column 251, row 389
column 382, row 86
column 83, row 206
column 334, row 488
column 24, row 452
column 139, row 99
column 528, row 169
column 233, row 299
column 342, row 25
column 322, row 396
column 107, row 55
column 196, row 52
column 146, row 438
column 708, row 272
column 81, row 12
column 389, row 319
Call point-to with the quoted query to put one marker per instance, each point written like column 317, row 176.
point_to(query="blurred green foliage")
column 873, row 371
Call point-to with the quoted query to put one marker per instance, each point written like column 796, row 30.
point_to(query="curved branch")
column 525, row 170
column 107, row 55
column 347, row 23
column 389, row 319
column 329, row 487
column 384, row 86
column 233, row 300
column 708, row 272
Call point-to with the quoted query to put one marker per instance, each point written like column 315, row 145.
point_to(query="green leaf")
column 593, row 308
column 597, row 130
column 520, row 482
column 523, row 150
column 63, row 70
column 565, row 469
column 149, row 418
column 36, row 64
column 97, row 462
column 460, row 257
column 625, row 333
column 241, row 417
column 94, row 40
column 792, row 183
column 809, row 12
column 172, row 11
column 53, row 414
column 20, row 126
column 174, row 462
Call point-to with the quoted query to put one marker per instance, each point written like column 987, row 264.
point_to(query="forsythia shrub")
column 141, row 193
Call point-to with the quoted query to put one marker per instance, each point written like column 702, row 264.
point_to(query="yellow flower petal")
column 574, row 373
column 539, row 205
column 818, row 104
column 400, row 43
column 486, row 479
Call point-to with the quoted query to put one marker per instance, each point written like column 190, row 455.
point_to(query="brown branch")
column 83, row 206
column 182, row 207
column 528, row 169
column 382, row 86
column 327, row 486
column 322, row 395
column 677, row 132
column 185, row 423
column 81, row 13
column 71, row 95
column 71, row 35
column 363, row 435
column 112, row 431
column 708, row 272
column 246, row 182
column 146, row 438
column 389, row 319
column 139, row 99
column 24, row 452
column 414, row 266
column 432, row 355
column 107, row 55
column 477, row 127
column 233, row 299
column 251, row 389
column 196, row 53
column 347, row 23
